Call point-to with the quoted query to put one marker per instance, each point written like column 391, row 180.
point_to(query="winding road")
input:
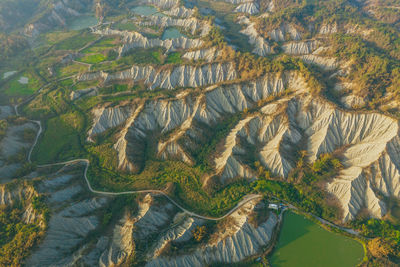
column 246, row 199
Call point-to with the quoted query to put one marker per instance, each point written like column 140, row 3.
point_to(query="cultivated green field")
column 304, row 243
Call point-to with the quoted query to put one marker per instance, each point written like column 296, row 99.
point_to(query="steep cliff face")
column 21, row 195
column 208, row 54
column 300, row 48
column 251, row 8
column 261, row 46
column 122, row 245
column 180, row 76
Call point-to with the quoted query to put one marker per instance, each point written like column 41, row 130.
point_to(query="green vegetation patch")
column 92, row 59
column 60, row 139
column 19, row 87
column 102, row 45
column 48, row 104
column 85, row 84
column 69, row 70
column 125, row 26
column 76, row 42
column 53, row 38
column 305, row 243
column 16, row 237
column 174, row 58
column 143, row 56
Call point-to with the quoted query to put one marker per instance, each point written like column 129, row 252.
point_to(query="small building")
column 273, row 206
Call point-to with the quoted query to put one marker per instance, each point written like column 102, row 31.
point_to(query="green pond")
column 146, row 11
column 82, row 22
column 303, row 243
column 171, row 33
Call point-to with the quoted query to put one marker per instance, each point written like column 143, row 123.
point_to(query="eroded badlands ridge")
column 365, row 140
column 73, row 236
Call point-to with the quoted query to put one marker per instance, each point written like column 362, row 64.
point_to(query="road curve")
column 244, row 201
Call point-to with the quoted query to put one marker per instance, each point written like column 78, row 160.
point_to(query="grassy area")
column 48, row 104
column 58, row 36
column 116, row 88
column 16, row 237
column 92, row 59
column 305, row 243
column 16, row 88
column 71, row 69
column 126, row 26
column 83, row 85
column 174, row 58
column 60, row 139
column 102, row 45
column 143, row 56
column 76, row 42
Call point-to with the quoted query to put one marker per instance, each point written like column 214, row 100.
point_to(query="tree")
column 199, row 233
column 379, row 248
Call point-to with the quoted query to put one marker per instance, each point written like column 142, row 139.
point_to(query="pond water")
column 8, row 74
column 146, row 11
column 23, row 80
column 305, row 243
column 82, row 22
column 171, row 33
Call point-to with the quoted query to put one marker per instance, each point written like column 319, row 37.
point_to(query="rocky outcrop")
column 163, row 4
column 122, row 245
column 105, row 118
column 236, row 241
column 180, row 12
column 284, row 31
column 16, row 194
column 179, row 234
column 354, row 192
column 300, row 48
column 208, row 55
column 352, row 101
column 237, row 2
column 136, row 40
column 325, row 63
column 328, row 29
column 180, row 76
column 10, row 195
column 151, row 217
column 261, row 46
column 364, row 138
column 87, row 92
column 191, row 25
column 250, row 8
